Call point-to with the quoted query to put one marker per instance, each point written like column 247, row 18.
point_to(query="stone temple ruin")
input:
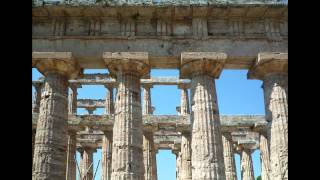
column 200, row 38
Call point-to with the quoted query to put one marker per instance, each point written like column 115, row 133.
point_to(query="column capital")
column 147, row 85
column 75, row 85
column 131, row 62
column 110, row 85
column 184, row 86
column 37, row 84
column 208, row 63
column 57, row 62
column 269, row 63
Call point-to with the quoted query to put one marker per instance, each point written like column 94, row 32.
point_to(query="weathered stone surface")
column 71, row 156
column 186, row 169
column 87, row 162
column 207, row 148
column 51, row 137
column 149, row 154
column 272, row 68
column 127, row 154
column 109, row 106
column 246, row 165
column 228, row 152
column 147, row 106
column 72, row 104
column 106, row 161
column 265, row 157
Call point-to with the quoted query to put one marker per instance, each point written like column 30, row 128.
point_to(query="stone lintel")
column 269, row 63
column 209, row 63
column 132, row 62
column 58, row 62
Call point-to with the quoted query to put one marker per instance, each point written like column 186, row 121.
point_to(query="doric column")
column 50, row 152
column 178, row 163
column 37, row 96
column 154, row 164
column 87, row 162
column 185, row 171
column 207, row 149
column 228, row 153
column 184, row 102
column 106, row 156
column 33, row 141
column 272, row 68
column 109, row 107
column 127, row 154
column 264, row 157
column 149, row 154
column 246, row 164
column 71, row 153
column 72, row 105
column 147, row 106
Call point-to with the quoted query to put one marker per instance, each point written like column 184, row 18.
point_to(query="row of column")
column 202, row 68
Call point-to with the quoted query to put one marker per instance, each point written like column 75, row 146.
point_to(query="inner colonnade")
column 130, row 135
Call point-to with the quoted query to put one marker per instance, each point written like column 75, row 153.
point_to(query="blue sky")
column 236, row 95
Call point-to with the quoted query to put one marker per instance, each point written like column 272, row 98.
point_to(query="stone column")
column 149, row 156
column 73, row 99
column 33, row 141
column 154, row 164
column 264, row 157
column 207, row 149
column 50, row 151
column 87, row 162
column 147, row 106
column 272, row 68
column 37, row 96
column 106, row 156
column 178, row 164
column 109, row 109
column 127, row 154
column 228, row 153
column 184, row 102
column 246, row 164
column 71, row 153
column 185, row 171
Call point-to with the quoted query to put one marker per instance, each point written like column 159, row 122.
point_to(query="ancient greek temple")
column 129, row 38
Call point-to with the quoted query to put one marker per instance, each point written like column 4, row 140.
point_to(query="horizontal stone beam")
column 104, row 79
column 90, row 103
column 176, row 123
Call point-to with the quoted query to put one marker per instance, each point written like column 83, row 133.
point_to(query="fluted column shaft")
column 154, row 165
column 109, row 107
column 147, row 106
column 185, row 171
column 37, row 96
column 87, row 163
column 51, row 137
column 276, row 102
column 149, row 156
column 246, row 165
column 106, row 156
column 264, row 157
column 184, row 107
column 228, row 152
column 127, row 154
column 207, row 151
column 33, row 142
column 73, row 100
column 178, row 164
column 272, row 68
column 71, row 153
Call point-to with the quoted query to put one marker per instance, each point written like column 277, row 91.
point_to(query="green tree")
column 259, row 178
